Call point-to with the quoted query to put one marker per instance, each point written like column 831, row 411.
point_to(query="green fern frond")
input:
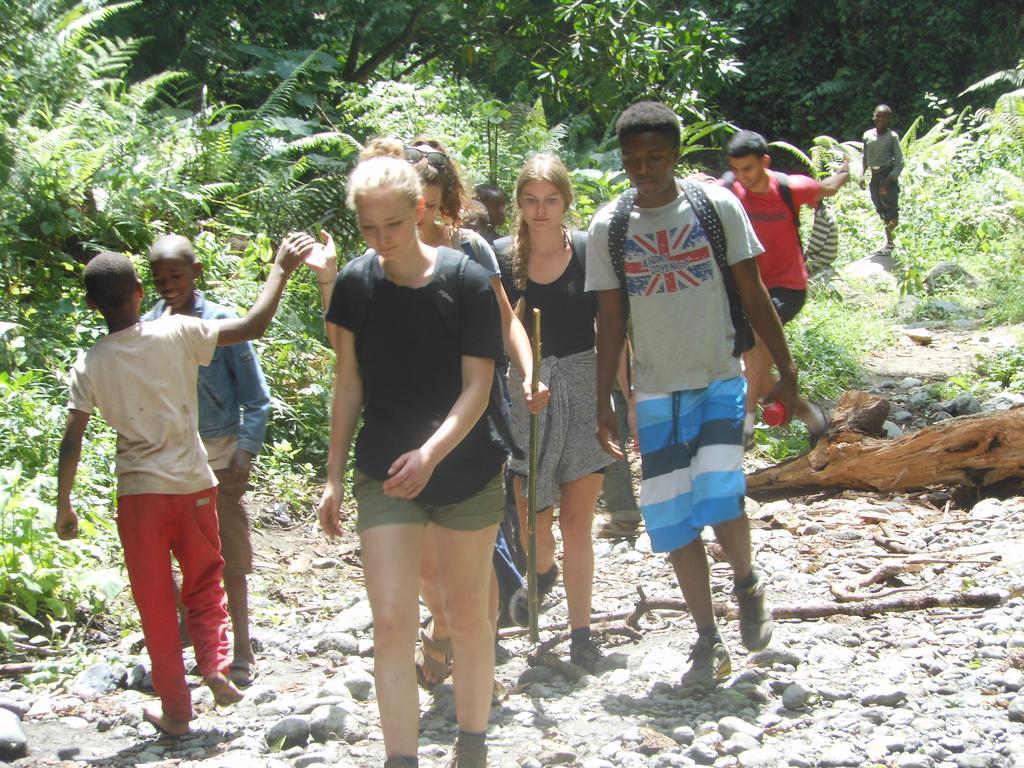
column 1011, row 77
column 108, row 58
column 911, row 134
column 58, row 141
column 794, row 151
column 78, row 22
column 280, row 98
column 142, row 93
column 334, row 142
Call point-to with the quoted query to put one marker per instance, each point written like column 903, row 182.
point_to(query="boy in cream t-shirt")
column 142, row 377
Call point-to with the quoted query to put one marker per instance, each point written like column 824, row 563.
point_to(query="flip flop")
column 431, row 671
column 242, row 673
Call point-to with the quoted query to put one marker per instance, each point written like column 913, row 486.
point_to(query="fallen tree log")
column 973, row 451
column 974, row 598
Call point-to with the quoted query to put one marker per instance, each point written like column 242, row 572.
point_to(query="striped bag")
column 823, row 244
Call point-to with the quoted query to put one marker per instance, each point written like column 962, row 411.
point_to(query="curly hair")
column 448, row 179
column 110, row 280
column 648, row 117
column 382, row 167
column 542, row 167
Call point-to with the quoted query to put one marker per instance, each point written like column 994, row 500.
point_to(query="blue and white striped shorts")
column 691, row 444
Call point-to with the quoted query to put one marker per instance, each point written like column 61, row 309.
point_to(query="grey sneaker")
column 586, row 654
column 711, row 663
column 755, row 616
column 468, row 757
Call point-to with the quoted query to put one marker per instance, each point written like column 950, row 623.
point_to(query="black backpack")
column 446, row 288
column 711, row 223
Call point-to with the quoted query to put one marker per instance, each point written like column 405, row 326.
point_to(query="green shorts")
column 482, row 509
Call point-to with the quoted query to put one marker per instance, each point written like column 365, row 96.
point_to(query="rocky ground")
column 936, row 688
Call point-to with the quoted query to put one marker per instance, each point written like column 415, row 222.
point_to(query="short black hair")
column 649, row 117
column 172, row 247
column 488, row 190
column 110, row 280
column 746, row 143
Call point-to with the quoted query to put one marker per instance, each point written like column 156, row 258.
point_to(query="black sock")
column 710, row 632
column 469, row 740
column 580, row 635
column 748, row 581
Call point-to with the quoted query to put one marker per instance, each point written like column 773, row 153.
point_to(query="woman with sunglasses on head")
column 445, row 198
column 424, row 458
column 548, row 273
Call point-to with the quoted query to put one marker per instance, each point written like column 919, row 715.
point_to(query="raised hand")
column 294, row 248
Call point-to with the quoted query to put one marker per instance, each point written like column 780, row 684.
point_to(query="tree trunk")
column 975, row 451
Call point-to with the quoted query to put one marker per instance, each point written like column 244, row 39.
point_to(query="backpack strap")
column 448, row 282
column 786, row 193
column 578, row 240
column 617, row 228
column 359, row 292
column 711, row 223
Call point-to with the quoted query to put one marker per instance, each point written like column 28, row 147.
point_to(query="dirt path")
column 950, row 352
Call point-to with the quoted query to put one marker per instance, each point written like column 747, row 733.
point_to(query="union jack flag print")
column 668, row 260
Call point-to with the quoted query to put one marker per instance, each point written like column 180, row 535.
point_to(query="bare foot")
column 224, row 691
column 154, row 715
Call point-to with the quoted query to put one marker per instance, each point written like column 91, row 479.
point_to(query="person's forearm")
column 611, row 335
column 67, row 467
column 832, row 184
column 346, row 403
column 257, row 319
column 517, row 346
column 326, row 289
column 513, row 334
column 624, row 376
column 464, row 413
column 765, row 322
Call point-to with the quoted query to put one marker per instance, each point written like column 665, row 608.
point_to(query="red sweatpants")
column 151, row 527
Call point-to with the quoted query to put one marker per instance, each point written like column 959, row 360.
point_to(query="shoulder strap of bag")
column 360, row 290
column 578, row 239
column 617, row 228
column 447, row 286
column 786, row 193
column 449, row 276
column 711, row 223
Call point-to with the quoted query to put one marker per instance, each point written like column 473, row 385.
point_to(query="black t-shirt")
column 411, row 366
column 567, row 311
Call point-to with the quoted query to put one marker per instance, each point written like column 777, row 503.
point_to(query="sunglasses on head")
column 437, row 159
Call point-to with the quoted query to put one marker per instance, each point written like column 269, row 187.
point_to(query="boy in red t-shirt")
column 782, row 267
column 142, row 377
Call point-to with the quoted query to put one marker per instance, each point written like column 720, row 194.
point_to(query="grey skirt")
column 568, row 426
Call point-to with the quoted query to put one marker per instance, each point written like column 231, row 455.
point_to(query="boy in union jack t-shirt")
column 690, row 390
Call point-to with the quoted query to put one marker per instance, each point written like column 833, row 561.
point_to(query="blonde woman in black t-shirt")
column 424, row 457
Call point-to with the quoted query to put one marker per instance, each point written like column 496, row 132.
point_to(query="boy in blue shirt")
column 233, row 406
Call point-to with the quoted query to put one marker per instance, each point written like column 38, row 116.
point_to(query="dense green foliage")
column 232, row 124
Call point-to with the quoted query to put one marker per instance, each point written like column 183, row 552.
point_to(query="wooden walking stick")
column 531, row 494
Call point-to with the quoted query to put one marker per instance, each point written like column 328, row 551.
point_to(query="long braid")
column 521, row 254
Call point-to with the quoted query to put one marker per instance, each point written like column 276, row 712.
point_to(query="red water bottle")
column 774, row 413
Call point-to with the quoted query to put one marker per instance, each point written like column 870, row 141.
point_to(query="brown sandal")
column 431, row 670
